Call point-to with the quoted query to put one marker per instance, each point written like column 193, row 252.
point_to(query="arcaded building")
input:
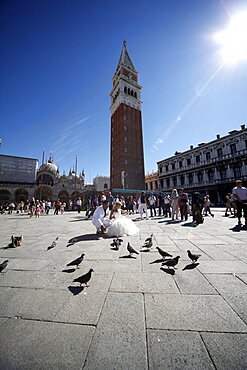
column 127, row 158
column 210, row 168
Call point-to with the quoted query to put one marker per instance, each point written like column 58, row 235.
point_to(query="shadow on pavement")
column 81, row 238
column 191, row 266
column 68, row 270
column 157, row 261
column 190, row 224
column 76, row 289
column 128, row 256
column 168, row 271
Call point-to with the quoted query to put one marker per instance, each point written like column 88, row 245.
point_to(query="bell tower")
column 127, row 159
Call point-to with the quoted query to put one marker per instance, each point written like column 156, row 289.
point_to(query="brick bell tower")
column 126, row 127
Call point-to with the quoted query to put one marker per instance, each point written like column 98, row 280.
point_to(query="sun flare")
column 234, row 40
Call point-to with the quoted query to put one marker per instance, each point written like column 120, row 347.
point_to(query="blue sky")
column 56, row 66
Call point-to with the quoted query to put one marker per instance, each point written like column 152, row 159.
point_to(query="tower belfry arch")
column 126, row 126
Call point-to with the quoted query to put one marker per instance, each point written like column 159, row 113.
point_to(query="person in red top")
column 57, row 206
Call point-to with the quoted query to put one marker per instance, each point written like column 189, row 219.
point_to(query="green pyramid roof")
column 125, row 59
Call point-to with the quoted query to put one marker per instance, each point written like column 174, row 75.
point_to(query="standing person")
column 100, row 221
column 57, row 206
column 78, row 204
column 32, row 207
column 47, row 206
column 228, row 204
column 207, row 205
column 182, row 203
column 161, row 202
column 143, row 205
column 197, row 207
column 152, row 204
column 110, row 200
column 167, row 205
column 174, row 203
column 37, row 210
column 240, row 196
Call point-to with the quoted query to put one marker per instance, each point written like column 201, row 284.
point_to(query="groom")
column 100, row 221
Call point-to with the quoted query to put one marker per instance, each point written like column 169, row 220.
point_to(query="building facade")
column 126, row 127
column 210, row 168
column 152, row 181
column 101, row 183
column 45, row 183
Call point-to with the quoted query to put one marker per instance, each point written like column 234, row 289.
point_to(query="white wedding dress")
column 122, row 226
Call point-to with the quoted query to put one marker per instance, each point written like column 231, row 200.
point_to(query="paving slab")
column 37, row 304
column 122, row 265
column 216, row 253
column 85, row 304
column 227, row 350
column 222, row 267
column 178, row 350
column 43, row 345
column 122, row 344
column 242, row 277
column 143, row 283
column 233, row 290
column 189, row 312
column 193, row 282
column 26, row 279
column 27, row 264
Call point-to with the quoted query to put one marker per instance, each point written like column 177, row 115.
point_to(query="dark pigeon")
column 150, row 238
column 163, row 254
column 53, row 244
column 16, row 241
column 172, row 262
column 84, row 279
column 3, row 265
column 131, row 250
column 147, row 244
column 77, row 261
column 193, row 257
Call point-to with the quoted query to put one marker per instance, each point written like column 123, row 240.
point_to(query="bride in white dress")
column 121, row 225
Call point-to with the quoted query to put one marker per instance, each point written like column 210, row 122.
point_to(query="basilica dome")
column 49, row 166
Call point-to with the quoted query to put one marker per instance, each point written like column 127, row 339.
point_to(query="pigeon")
column 77, row 261
column 150, row 238
column 148, row 244
column 193, row 257
column 172, row 262
column 84, row 279
column 118, row 240
column 131, row 250
column 116, row 243
column 16, row 240
column 53, row 244
column 163, row 254
column 3, row 265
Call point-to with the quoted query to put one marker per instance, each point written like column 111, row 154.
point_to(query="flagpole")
column 42, row 174
column 75, row 170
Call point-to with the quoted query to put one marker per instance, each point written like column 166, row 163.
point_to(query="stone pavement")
column 134, row 315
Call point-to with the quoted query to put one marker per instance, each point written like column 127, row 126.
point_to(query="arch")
column 63, row 195
column 5, row 195
column 105, row 185
column 21, row 194
column 129, row 91
column 125, row 89
column 46, row 180
column 45, row 192
column 132, row 93
column 135, row 94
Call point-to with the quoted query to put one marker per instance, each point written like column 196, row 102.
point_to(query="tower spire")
column 125, row 60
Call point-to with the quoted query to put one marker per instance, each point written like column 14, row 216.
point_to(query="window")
column 124, row 117
column 189, row 161
column 135, row 94
column 220, row 152
column 233, row 148
column 237, row 171
column 208, row 156
column 168, row 182
column 160, row 169
column 173, row 166
column 161, row 183
column 167, row 168
column 182, row 179
column 246, row 144
column 125, row 89
column 190, row 178
column 211, row 175
column 174, row 181
column 222, row 173
column 200, row 176
column 105, row 186
column 180, row 164
column 198, row 158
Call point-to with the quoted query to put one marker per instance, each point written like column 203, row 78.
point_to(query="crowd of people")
column 177, row 205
